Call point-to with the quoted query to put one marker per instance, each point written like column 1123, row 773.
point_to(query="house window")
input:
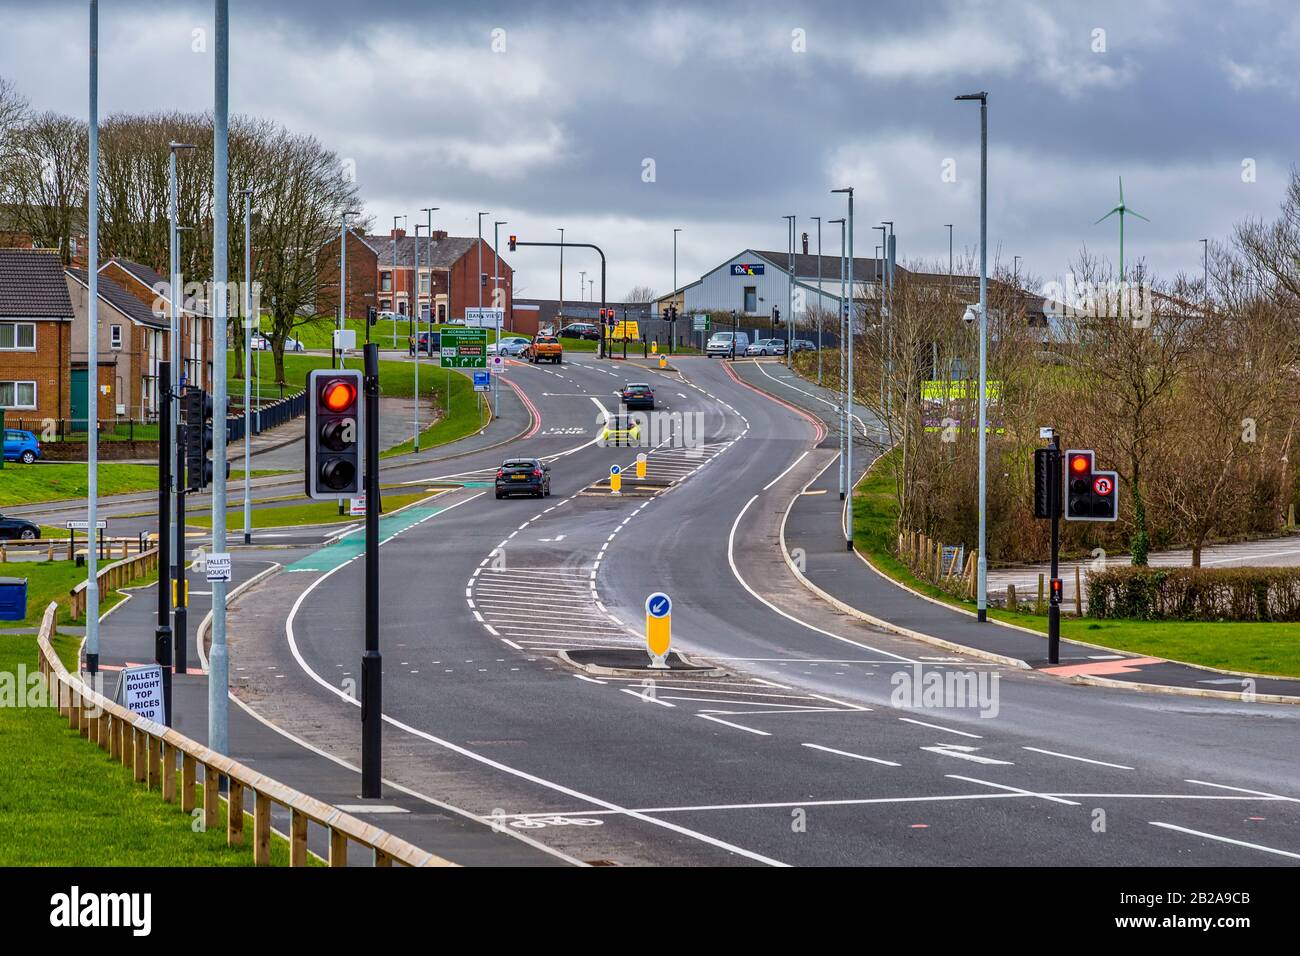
column 115, row 337
column 424, row 284
column 751, row 299
column 385, row 282
column 18, row 336
column 17, row 394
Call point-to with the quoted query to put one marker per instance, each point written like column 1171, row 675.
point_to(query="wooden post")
column 235, row 814
column 338, row 848
column 125, row 743
column 114, row 739
column 155, row 761
column 187, row 783
column 261, row 829
column 1290, row 515
column 1039, row 606
column 211, row 797
column 298, row 839
column 140, row 758
column 168, row 772
column 1078, row 593
column 382, row 858
column 1011, row 597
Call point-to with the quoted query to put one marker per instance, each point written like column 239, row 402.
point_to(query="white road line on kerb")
column 496, row 764
column 1100, row 763
column 922, row 723
column 1003, row 786
column 731, row 559
column 719, row 720
column 1223, row 839
column 845, row 753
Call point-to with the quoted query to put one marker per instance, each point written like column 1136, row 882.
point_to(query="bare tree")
column 639, row 293
column 47, row 180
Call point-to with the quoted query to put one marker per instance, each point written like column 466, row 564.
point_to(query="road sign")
column 497, row 364
column 700, row 322
column 101, row 524
column 663, row 361
column 140, row 690
column 483, row 381
column 357, row 507
column 625, row 330
column 615, row 480
column 1102, row 485
column 658, row 628
column 463, row 348
column 217, row 566
column 486, row 318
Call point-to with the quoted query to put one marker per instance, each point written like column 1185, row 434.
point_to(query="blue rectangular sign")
column 747, row 268
column 482, row 381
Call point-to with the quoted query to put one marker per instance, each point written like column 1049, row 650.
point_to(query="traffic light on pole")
column 198, row 439
column 1090, row 495
column 513, row 240
column 372, row 315
column 334, row 433
column 776, row 315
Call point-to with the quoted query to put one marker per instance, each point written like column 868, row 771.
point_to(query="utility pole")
column 789, row 286
column 1205, row 270
column 498, row 301
column 949, row 226
column 393, row 283
column 218, row 661
column 560, row 317
column 819, row 298
column 336, row 354
column 843, row 346
column 480, row 262
column 582, row 285
column 163, row 632
column 247, row 302
column 92, row 357
column 672, row 326
column 174, row 351
column 415, row 441
column 372, row 713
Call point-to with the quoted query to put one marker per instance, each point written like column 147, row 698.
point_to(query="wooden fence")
column 924, row 555
column 150, row 750
column 113, row 576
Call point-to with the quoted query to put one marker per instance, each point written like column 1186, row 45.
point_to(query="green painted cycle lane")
column 353, row 544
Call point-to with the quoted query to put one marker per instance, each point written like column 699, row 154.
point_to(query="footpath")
column 814, row 522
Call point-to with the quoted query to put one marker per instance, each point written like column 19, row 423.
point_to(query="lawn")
column 51, row 581
column 1236, row 645
column 320, row 335
column 55, row 481
column 293, row 515
column 395, row 378
column 64, row 803
column 466, row 418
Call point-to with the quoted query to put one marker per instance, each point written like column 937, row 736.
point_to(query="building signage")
column 747, row 268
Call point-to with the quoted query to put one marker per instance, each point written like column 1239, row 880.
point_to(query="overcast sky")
column 549, row 114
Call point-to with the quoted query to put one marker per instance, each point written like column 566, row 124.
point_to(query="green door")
column 80, row 377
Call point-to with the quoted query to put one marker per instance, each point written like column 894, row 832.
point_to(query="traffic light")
column 482, row 279
column 372, row 315
column 513, row 240
column 334, row 433
column 776, row 315
column 1047, row 477
column 198, row 439
column 672, row 313
column 1090, row 495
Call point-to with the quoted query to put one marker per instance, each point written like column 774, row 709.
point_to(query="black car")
column 581, row 330
column 17, row 529
column 637, row 395
column 803, row 345
column 524, row 475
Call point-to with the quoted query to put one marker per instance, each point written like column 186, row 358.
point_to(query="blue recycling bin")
column 13, row 599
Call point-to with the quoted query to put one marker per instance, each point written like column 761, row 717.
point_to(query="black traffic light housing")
column 198, row 410
column 372, row 315
column 1090, row 495
column 334, row 434
column 776, row 315
column 513, row 240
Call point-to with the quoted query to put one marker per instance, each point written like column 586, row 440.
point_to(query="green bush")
column 1195, row 594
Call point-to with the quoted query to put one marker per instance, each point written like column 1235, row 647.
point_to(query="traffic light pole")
column 604, row 352
column 1054, row 602
column 371, row 660
column 180, row 615
column 162, row 644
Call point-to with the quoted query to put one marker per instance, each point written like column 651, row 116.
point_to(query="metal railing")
column 150, row 750
column 268, row 416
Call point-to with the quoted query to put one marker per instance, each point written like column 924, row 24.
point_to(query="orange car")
column 545, row 348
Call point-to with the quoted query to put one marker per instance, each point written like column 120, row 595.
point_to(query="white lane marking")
column 845, row 753
column 964, row 752
column 1258, row 793
column 731, row 559
column 588, row 679
column 1016, row 790
column 922, row 723
column 786, row 472
column 1223, row 839
column 1100, row 763
column 719, row 720
column 648, row 698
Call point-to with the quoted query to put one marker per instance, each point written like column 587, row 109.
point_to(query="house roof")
column 805, row 266
column 150, row 280
column 32, row 285
column 445, row 252
column 120, row 299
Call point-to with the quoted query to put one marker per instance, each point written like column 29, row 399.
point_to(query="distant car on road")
column 638, row 395
column 720, row 344
column 21, row 446
column 512, row 345
column 581, row 330
column 524, row 475
column 260, row 343
column 766, row 347
column 17, row 529
column 545, row 348
column 620, row 430
column 803, row 345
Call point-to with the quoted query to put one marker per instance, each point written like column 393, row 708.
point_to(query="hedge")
column 1195, row 594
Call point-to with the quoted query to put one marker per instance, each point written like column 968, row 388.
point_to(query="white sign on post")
column 82, row 525
column 357, row 507
column 140, row 690
column 345, row 340
column 217, row 566
column 497, row 364
column 486, row 318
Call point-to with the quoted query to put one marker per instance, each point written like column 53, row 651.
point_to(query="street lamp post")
column 174, row 253
column 981, row 586
column 415, row 308
column 336, row 353
column 789, row 285
column 843, row 346
column 819, row 298
column 559, row 320
column 848, row 386
column 247, row 302
column 498, row 299
column 480, row 263
column 92, row 354
column 582, row 285
column 882, row 251
column 949, row 227
column 672, row 326
column 393, row 282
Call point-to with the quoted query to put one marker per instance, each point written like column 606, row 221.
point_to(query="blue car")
column 21, row 446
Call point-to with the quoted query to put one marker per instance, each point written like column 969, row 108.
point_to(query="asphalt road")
column 798, row 751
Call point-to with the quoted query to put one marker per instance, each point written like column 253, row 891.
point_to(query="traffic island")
column 634, row 662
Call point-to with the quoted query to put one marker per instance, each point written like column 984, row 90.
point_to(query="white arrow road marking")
column 963, row 752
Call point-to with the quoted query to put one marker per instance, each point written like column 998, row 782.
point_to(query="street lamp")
column 173, row 292
column 789, row 286
column 848, row 385
column 949, row 227
column 559, row 320
column 819, row 298
column 672, row 326
column 336, row 353
column 1015, row 271
column 981, row 587
column 582, row 285
column 843, row 266
column 498, row 300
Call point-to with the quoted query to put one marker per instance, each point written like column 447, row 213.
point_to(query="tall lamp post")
column 819, row 298
column 393, row 283
column 415, row 309
column 480, row 262
column 92, row 354
column 174, row 290
column 343, row 295
column 789, row 286
column 948, row 225
column 498, row 299
column 246, row 301
column 672, row 326
column 559, row 320
column 843, row 346
column 582, row 285
column 848, row 386
column 982, row 566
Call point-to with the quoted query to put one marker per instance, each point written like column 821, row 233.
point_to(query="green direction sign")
column 464, row 348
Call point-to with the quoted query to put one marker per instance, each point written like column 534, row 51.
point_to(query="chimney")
column 397, row 234
column 439, row 234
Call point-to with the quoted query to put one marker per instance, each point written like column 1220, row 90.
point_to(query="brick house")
column 132, row 341
column 36, row 314
column 449, row 279
column 150, row 289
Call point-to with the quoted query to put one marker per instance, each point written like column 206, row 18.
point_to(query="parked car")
column 512, row 345
column 260, row 343
column 803, row 345
column 517, row 475
column 766, row 347
column 720, row 344
column 638, row 395
column 545, row 348
column 581, row 330
column 18, row 529
column 21, row 446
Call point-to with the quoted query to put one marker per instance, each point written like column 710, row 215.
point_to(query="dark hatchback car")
column 638, row 395
column 528, row 476
column 581, row 330
column 16, row 529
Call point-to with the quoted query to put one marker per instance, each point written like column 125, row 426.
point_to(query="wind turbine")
column 1123, row 210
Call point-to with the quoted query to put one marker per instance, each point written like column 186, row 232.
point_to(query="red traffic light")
column 1079, row 464
column 338, row 396
column 513, row 240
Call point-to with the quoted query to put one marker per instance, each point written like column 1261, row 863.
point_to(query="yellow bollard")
column 615, row 480
column 663, row 361
column 640, row 464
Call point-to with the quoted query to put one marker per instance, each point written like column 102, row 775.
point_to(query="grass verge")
column 56, row 481
column 293, row 515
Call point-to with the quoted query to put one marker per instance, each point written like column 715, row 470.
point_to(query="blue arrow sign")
column 658, row 604
column 615, row 470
